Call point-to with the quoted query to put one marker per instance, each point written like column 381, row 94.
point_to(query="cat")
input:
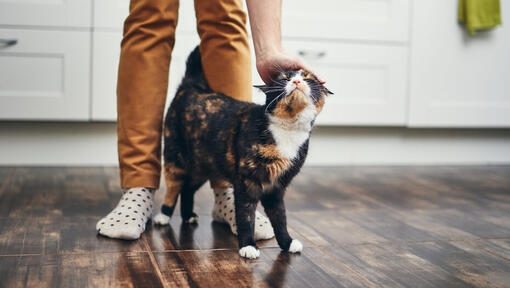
column 257, row 148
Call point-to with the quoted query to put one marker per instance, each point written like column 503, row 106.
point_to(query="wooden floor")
column 361, row 227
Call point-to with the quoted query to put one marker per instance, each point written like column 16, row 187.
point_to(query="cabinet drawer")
column 69, row 13
column 45, row 76
column 381, row 20
column 369, row 81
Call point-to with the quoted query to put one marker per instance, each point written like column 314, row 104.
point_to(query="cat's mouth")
column 301, row 87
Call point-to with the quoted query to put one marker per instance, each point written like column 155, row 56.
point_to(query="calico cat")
column 257, row 148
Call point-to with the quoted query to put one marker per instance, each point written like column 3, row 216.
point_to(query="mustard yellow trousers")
column 146, row 49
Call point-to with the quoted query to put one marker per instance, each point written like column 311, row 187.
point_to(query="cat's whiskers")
column 274, row 90
column 278, row 82
column 276, row 98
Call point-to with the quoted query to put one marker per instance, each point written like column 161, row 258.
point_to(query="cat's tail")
column 194, row 72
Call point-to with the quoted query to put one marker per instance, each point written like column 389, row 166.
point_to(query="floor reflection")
column 276, row 277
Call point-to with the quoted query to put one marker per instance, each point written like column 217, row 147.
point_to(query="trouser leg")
column 146, row 49
column 224, row 47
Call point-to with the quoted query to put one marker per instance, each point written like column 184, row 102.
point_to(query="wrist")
column 263, row 53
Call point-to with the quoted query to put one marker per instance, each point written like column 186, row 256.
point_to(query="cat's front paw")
column 295, row 246
column 249, row 252
column 161, row 219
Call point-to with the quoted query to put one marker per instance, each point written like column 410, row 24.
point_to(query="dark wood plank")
column 432, row 264
column 38, row 235
column 463, row 188
column 224, row 268
column 381, row 226
column 404, row 204
column 79, row 270
column 45, row 192
column 5, row 173
column 497, row 247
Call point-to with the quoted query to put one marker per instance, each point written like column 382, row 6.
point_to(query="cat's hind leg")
column 175, row 178
column 245, row 207
column 190, row 185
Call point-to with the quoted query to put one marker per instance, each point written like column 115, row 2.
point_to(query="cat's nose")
column 296, row 82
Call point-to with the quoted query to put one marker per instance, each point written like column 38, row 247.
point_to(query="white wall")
column 82, row 144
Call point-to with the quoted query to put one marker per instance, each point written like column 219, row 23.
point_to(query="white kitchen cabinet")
column 69, row 13
column 105, row 62
column 369, row 81
column 45, row 75
column 457, row 80
column 380, row 20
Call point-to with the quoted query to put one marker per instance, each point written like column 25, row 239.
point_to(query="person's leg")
column 224, row 47
column 146, row 49
column 224, row 211
column 226, row 62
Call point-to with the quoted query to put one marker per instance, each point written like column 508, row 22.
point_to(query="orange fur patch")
column 289, row 107
column 166, row 132
column 319, row 104
column 277, row 168
column 213, row 106
column 268, row 151
column 173, row 183
column 220, row 183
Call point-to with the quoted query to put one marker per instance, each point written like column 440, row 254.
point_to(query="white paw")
column 161, row 219
column 295, row 246
column 249, row 252
column 192, row 220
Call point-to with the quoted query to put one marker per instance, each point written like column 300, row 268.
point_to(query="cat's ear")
column 327, row 92
column 263, row 88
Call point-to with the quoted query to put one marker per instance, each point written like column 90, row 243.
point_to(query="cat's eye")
column 282, row 77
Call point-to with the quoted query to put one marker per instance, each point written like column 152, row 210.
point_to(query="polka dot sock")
column 224, row 211
column 128, row 219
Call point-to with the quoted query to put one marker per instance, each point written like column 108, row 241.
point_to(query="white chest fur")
column 291, row 134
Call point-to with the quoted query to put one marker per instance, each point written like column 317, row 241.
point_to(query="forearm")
column 265, row 25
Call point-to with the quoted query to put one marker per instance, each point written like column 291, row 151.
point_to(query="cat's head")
column 291, row 92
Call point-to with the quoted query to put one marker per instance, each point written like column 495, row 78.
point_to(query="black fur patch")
column 167, row 210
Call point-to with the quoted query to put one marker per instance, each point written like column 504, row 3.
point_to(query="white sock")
column 128, row 219
column 224, row 211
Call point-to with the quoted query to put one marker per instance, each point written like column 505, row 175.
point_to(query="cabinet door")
column 45, row 76
column 369, row 81
column 380, row 20
column 458, row 80
column 106, row 51
column 69, row 13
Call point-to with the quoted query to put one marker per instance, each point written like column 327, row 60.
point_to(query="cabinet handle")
column 312, row 54
column 8, row 42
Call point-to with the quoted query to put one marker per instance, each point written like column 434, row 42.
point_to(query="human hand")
column 269, row 65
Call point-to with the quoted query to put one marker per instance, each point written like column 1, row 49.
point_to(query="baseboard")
column 87, row 144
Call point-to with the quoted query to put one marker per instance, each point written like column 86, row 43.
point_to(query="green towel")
column 479, row 14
